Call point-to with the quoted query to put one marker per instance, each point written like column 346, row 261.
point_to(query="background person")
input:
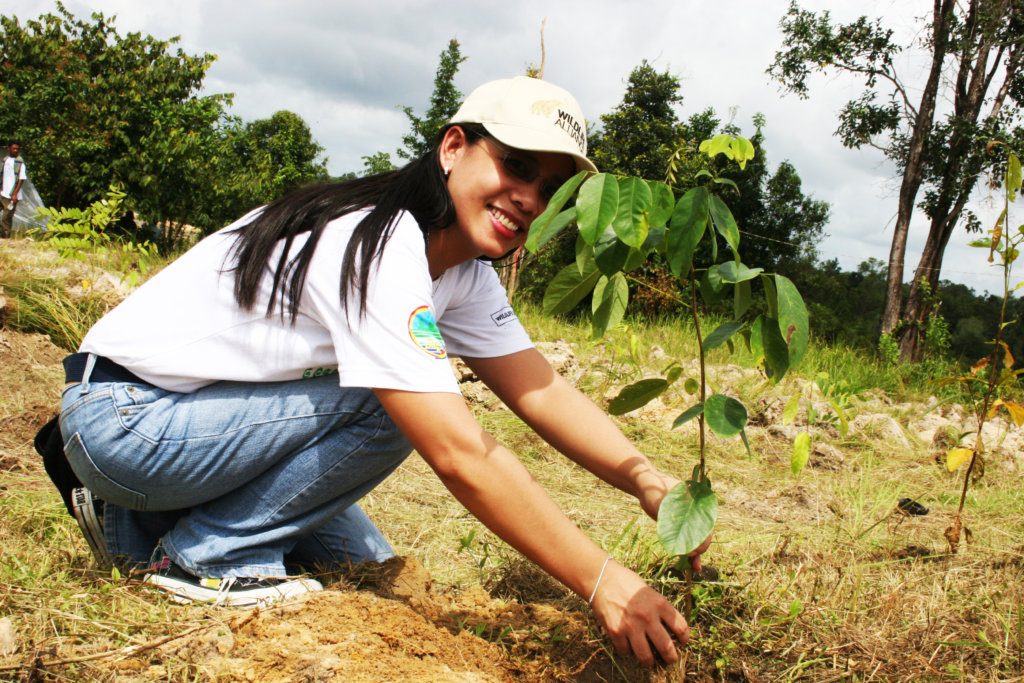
column 14, row 174
column 234, row 408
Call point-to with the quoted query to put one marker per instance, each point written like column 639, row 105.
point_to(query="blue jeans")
column 234, row 476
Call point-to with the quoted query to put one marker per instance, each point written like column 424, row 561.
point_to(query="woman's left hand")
column 652, row 493
column 653, row 490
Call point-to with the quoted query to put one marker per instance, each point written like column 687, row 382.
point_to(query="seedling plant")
column 624, row 220
column 77, row 233
column 991, row 380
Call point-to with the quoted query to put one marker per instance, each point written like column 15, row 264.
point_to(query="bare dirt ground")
column 389, row 624
column 820, row 579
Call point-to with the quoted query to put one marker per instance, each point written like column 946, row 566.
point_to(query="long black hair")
column 420, row 188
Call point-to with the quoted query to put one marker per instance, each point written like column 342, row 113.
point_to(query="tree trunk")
column 913, row 174
column 926, row 280
column 508, row 271
column 964, row 162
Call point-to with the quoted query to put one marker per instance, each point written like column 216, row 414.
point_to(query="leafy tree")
column 379, row 162
column 786, row 233
column 444, row 102
column 259, row 161
column 975, row 57
column 640, row 134
column 95, row 107
column 423, row 131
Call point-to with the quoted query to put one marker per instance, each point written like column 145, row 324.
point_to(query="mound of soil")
column 381, row 623
column 402, row 629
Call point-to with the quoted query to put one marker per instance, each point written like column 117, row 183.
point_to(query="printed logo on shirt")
column 424, row 333
column 317, row 372
column 503, row 316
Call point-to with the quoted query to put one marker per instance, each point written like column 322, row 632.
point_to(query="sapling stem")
column 685, row 567
column 703, row 377
column 1006, row 250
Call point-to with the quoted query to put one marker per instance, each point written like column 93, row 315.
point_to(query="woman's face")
column 497, row 192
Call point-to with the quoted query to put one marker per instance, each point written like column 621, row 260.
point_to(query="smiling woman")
column 226, row 418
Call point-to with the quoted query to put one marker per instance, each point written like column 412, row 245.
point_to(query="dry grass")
column 817, row 578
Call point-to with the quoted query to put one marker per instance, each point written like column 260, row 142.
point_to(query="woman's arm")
column 497, row 489
column 569, row 421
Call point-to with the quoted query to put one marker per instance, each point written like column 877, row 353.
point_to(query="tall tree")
column 93, row 106
column 972, row 46
column 444, row 102
column 258, row 162
column 640, row 134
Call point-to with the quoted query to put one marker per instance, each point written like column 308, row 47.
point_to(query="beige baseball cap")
column 528, row 113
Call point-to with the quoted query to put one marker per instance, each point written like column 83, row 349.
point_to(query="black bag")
column 50, row 444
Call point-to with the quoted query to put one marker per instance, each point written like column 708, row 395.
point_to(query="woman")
column 233, row 410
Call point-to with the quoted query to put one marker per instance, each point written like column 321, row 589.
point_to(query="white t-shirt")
column 9, row 179
column 182, row 329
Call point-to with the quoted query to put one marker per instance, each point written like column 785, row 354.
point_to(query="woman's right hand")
column 636, row 616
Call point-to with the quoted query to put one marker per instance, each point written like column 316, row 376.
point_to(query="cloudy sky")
column 345, row 66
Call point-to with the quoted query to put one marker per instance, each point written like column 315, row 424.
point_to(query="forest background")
column 95, row 106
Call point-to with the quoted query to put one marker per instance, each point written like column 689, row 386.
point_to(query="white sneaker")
column 232, row 591
column 89, row 515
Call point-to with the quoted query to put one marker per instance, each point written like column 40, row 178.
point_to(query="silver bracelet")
column 599, row 577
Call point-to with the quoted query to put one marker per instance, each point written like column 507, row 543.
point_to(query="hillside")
column 815, row 577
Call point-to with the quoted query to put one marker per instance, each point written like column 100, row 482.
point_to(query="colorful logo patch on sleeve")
column 424, row 333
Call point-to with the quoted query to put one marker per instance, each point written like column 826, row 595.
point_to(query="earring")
column 447, row 172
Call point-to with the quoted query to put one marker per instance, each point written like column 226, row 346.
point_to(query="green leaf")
column 732, row 271
column 674, row 374
column 597, row 205
column 637, row 395
column 725, row 223
column 555, row 226
column 691, row 386
column 714, row 276
column 687, row 516
column 801, row 452
column 770, row 347
column 609, row 305
column 709, row 291
column 662, row 203
column 655, row 240
column 792, row 406
column 793, row 319
column 688, row 414
column 632, row 221
column 634, row 259
column 610, row 252
column 584, row 256
column 771, row 296
column 746, row 442
column 720, row 144
column 844, row 424
column 725, row 415
column 721, row 333
column 742, row 150
column 728, row 183
column 568, row 289
column 689, row 220
column 1013, row 177
column 742, row 298
column 541, row 224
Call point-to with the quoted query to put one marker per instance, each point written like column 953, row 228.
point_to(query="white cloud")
column 345, row 67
